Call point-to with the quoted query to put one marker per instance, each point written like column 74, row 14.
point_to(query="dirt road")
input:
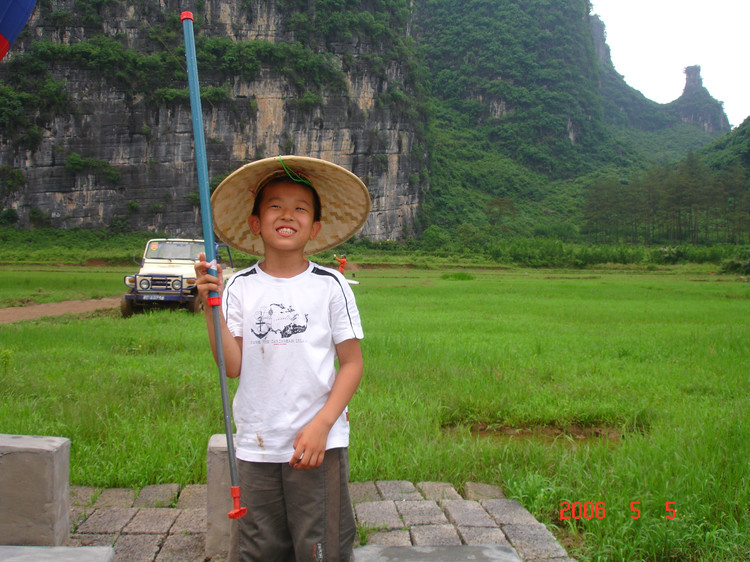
column 16, row 313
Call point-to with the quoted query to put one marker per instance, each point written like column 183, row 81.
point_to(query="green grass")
column 23, row 284
column 661, row 360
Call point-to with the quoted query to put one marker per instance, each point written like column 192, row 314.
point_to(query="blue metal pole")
column 214, row 299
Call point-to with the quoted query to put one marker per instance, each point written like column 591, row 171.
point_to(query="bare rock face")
column 147, row 179
column 696, row 105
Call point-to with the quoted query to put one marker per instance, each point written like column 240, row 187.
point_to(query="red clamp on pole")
column 238, row 511
column 214, row 301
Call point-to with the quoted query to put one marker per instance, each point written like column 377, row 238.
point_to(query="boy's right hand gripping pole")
column 214, row 299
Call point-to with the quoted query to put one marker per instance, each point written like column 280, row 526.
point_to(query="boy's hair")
column 317, row 207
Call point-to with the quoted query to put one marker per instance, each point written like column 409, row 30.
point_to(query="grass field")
column 596, row 387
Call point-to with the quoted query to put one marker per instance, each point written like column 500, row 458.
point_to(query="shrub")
column 8, row 217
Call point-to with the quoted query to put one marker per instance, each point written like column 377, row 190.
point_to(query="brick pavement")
column 166, row 523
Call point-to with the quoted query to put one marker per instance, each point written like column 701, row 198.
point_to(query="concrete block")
column 482, row 535
column 137, row 547
column 378, row 515
column 534, row 541
column 158, row 495
column 421, row 513
column 435, row 553
column 82, row 495
column 56, row 554
column 115, row 497
column 438, row 491
column 467, row 513
column 182, row 548
column 190, row 522
column 218, row 499
column 435, row 535
column 508, row 512
column 364, row 492
column 110, row 520
column 151, row 520
column 193, row 497
column 91, row 539
column 34, row 492
column 388, row 538
column 398, row 490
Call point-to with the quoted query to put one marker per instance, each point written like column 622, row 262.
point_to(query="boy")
column 284, row 323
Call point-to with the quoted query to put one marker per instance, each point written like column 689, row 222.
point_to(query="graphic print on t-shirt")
column 283, row 321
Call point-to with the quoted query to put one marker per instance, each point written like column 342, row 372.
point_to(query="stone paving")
column 164, row 523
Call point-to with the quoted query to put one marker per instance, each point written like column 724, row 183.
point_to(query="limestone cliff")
column 696, row 105
column 114, row 157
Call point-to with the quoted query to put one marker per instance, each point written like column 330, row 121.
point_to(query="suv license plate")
column 154, row 297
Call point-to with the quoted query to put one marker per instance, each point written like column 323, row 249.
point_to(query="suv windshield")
column 174, row 250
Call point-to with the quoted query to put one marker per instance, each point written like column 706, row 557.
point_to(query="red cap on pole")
column 238, row 511
column 186, row 16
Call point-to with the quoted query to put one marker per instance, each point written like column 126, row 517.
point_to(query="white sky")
column 652, row 41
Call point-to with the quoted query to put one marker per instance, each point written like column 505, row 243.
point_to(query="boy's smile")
column 285, row 217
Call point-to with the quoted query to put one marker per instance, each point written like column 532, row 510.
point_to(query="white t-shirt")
column 289, row 329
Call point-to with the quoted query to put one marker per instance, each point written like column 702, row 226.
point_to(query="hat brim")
column 344, row 199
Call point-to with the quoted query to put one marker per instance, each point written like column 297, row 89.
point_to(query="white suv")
column 167, row 276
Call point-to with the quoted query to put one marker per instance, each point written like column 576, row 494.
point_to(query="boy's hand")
column 310, row 446
column 205, row 282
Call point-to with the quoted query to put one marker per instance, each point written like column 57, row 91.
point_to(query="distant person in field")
column 342, row 262
column 288, row 323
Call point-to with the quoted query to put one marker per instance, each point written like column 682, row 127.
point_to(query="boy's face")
column 285, row 217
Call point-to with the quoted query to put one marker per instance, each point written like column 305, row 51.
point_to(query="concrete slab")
column 390, row 538
column 467, row 513
column 363, row 492
column 192, row 497
column 82, row 495
column 425, row 512
column 183, row 548
column 77, row 515
column 438, row 491
column 110, row 520
column 482, row 536
column 434, row 553
column 534, row 541
column 92, row 539
column 378, row 515
column 398, row 490
column 34, row 482
column 435, row 535
column 115, row 497
column 158, row 495
column 138, row 548
column 508, row 512
column 190, row 522
column 151, row 521
column 56, row 554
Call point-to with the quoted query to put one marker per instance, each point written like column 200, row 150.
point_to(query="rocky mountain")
column 446, row 108
column 115, row 152
column 627, row 107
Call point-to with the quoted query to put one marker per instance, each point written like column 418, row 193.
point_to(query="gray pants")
column 297, row 515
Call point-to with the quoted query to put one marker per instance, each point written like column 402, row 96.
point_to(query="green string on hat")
column 294, row 176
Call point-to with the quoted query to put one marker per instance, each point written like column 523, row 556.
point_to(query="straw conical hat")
column 344, row 199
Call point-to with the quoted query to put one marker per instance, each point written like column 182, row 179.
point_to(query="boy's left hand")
column 310, row 446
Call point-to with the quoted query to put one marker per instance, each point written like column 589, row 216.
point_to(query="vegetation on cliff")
column 529, row 129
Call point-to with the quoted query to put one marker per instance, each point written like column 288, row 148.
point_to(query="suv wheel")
column 126, row 307
column 195, row 305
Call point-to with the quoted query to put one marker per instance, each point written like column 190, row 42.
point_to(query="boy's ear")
column 254, row 222
column 315, row 229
